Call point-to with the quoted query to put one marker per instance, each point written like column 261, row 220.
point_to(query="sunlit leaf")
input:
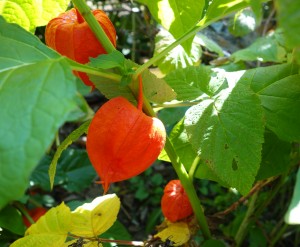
column 48, row 9
column 176, row 16
column 92, row 219
column 220, row 8
column 187, row 154
column 23, row 13
column 194, row 83
column 227, row 133
column 50, row 230
column 178, row 57
column 32, row 13
column 177, row 233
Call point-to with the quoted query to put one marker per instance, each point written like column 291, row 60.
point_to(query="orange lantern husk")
column 175, row 203
column 72, row 37
column 122, row 141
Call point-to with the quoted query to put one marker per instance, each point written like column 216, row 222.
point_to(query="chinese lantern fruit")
column 35, row 214
column 175, row 203
column 71, row 36
column 122, row 141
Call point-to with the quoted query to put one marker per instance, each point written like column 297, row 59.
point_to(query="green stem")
column 201, row 25
column 160, row 55
column 23, row 211
column 243, row 229
column 189, row 188
column 93, row 71
column 182, row 175
column 194, row 167
column 278, row 235
column 96, row 28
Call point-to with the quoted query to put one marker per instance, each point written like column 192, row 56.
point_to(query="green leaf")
column 37, row 90
column 209, row 44
column 187, row 154
column 178, row 57
column 50, row 230
column 296, row 55
column 77, row 169
column 40, row 176
column 114, row 59
column 257, row 9
column 32, row 13
column 176, row 16
column 257, row 237
column 275, row 157
column 288, row 19
column 182, row 146
column 171, row 116
column 281, row 102
column 75, row 172
column 11, row 219
column 265, row 49
column 82, row 111
column 292, row 216
column 125, row 80
column 213, row 243
column 243, row 22
column 220, row 8
column 67, row 142
column 116, row 232
column 227, row 132
column 279, row 93
column 195, row 82
column 156, row 89
column 111, row 89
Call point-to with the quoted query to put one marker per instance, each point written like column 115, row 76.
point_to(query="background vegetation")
column 250, row 38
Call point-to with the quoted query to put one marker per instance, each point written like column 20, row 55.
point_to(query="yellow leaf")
column 92, row 219
column 49, row 231
column 178, row 233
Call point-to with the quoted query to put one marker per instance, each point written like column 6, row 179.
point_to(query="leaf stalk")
column 96, row 28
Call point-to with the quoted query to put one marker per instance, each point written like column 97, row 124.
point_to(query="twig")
column 267, row 22
column 234, row 206
column 105, row 240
